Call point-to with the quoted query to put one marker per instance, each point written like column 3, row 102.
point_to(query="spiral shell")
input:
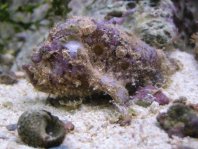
column 38, row 128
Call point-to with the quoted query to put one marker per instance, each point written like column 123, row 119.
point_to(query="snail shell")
column 38, row 128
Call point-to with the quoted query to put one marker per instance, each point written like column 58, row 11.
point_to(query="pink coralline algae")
column 146, row 95
column 83, row 56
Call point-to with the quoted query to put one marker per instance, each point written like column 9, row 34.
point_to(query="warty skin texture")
column 83, row 56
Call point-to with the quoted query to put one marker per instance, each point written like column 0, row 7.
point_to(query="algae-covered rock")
column 152, row 20
column 180, row 119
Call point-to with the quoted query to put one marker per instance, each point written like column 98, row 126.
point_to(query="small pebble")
column 69, row 126
column 7, row 104
column 11, row 127
column 7, row 77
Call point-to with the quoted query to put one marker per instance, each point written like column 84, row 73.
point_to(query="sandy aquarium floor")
column 93, row 129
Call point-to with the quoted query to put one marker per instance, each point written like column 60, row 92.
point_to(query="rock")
column 181, row 120
column 11, row 127
column 7, row 77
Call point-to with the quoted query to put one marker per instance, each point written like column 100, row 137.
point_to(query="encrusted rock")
column 181, row 120
column 186, row 20
column 152, row 20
